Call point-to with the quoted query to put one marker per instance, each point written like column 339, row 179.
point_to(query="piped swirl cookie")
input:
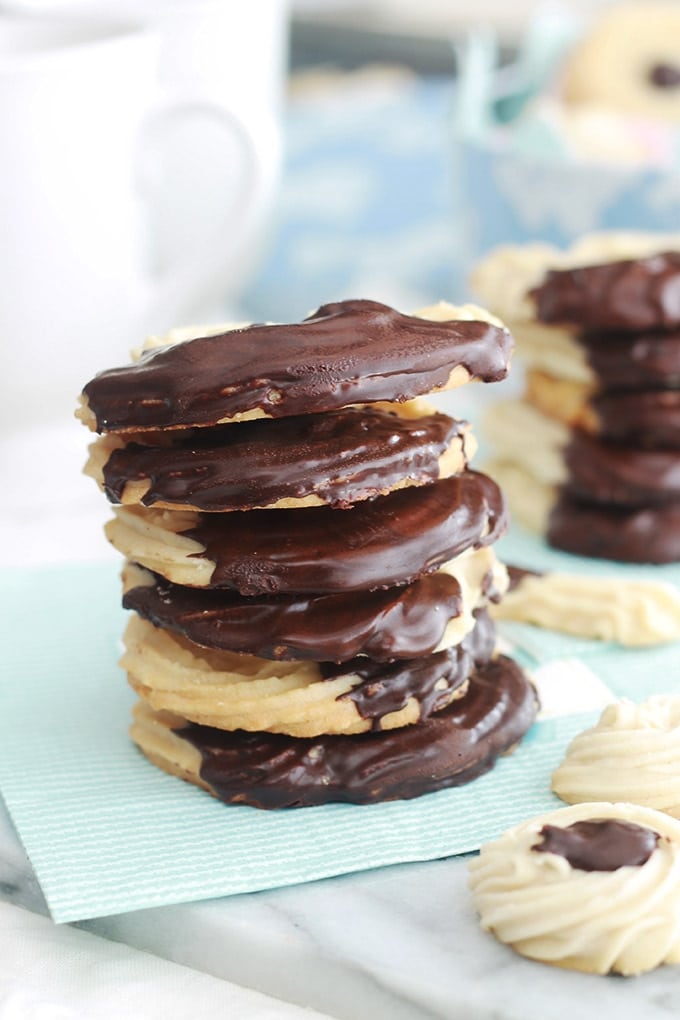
column 632, row 753
column 391, row 540
column 243, row 692
column 349, row 352
column 337, row 458
column 595, row 887
column 632, row 612
column 270, row 770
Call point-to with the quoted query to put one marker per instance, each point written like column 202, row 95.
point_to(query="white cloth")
column 53, row 972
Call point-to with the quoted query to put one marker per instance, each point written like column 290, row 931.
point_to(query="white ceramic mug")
column 91, row 257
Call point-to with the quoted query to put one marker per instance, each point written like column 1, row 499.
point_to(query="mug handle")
column 187, row 284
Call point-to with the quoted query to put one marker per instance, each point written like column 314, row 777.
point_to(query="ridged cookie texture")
column 632, row 754
column 270, row 770
column 310, row 558
column 594, row 887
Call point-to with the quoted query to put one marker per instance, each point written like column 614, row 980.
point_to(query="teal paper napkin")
column 107, row 832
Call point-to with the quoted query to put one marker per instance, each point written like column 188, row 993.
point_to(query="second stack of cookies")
column 591, row 452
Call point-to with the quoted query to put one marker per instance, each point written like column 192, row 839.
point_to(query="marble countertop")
column 399, row 943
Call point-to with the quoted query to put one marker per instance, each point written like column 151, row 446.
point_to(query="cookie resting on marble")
column 594, row 888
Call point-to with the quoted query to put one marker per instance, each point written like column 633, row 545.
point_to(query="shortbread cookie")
column 452, row 747
column 646, row 535
column 632, row 754
column 564, row 400
column 629, row 61
column 345, row 353
column 337, row 458
column 619, row 474
column 593, row 888
column 587, row 467
column 401, row 622
column 390, row 540
column 633, row 613
column 231, row 691
column 647, row 418
column 531, row 500
column 628, row 295
column 520, row 434
column 507, row 279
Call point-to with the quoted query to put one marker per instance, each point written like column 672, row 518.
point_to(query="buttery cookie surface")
column 594, row 887
column 453, row 746
column 630, row 754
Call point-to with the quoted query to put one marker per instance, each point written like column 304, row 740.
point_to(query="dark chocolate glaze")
column 390, row 540
column 345, row 353
column 624, row 361
column 665, row 76
column 341, row 456
column 604, row 472
column 630, row 294
column 390, row 623
column 431, row 680
column 451, row 747
column 517, row 574
column 599, row 844
column 649, row 535
column 647, row 419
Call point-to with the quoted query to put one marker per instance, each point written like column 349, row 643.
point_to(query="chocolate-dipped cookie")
column 301, row 698
column 642, row 535
column 400, row 622
column 378, row 543
column 601, row 410
column 345, row 353
column 337, row 458
column 451, row 747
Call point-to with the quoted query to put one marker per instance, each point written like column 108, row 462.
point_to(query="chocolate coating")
column 341, row 456
column 392, row 623
column 517, row 574
column 599, row 844
column 345, row 353
column 648, row 419
column 623, row 361
column 649, row 535
column 631, row 294
column 387, row 541
column 431, row 680
column 604, row 472
column 665, row 76
column 450, row 748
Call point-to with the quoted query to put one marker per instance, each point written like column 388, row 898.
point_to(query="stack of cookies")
column 309, row 559
column 591, row 453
